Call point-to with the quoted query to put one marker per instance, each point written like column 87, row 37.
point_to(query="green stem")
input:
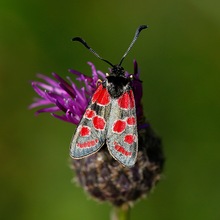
column 120, row 213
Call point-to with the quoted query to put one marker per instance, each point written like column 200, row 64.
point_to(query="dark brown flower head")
column 106, row 179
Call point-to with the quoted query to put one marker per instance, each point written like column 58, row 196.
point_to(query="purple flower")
column 59, row 95
column 100, row 174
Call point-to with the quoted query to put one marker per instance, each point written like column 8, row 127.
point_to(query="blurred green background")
column 179, row 60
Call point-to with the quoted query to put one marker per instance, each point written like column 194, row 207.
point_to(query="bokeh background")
column 179, row 57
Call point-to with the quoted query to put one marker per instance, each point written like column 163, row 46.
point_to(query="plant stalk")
column 120, row 213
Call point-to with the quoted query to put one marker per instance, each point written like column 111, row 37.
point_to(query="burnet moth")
column 110, row 117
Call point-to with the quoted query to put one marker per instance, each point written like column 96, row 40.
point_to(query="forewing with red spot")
column 91, row 132
column 122, row 137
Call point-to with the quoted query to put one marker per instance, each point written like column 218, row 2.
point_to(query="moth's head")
column 117, row 70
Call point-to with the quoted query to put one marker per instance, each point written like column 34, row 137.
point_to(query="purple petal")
column 75, row 72
column 73, row 118
column 44, row 86
column 100, row 73
column 61, row 117
column 68, row 90
column 136, row 70
column 49, row 109
column 38, row 91
column 81, row 76
column 47, row 79
column 60, row 106
column 94, row 72
column 64, row 83
column 39, row 102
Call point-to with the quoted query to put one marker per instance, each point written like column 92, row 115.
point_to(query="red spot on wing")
column 85, row 131
column 129, row 138
column 88, row 144
column 122, row 150
column 98, row 123
column 119, row 126
column 101, row 96
column 131, row 120
column 89, row 113
column 126, row 101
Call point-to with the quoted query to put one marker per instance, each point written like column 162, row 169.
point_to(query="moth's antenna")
column 91, row 50
column 140, row 28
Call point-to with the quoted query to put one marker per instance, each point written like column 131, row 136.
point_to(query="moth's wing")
column 91, row 132
column 122, row 136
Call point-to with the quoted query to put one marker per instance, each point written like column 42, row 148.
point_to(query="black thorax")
column 116, row 82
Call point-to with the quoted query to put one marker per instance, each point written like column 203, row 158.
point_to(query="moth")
column 110, row 117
